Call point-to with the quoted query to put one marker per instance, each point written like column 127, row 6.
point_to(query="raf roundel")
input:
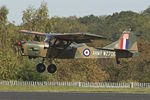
column 86, row 52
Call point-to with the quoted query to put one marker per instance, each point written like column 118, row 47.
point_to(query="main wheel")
column 40, row 67
column 52, row 68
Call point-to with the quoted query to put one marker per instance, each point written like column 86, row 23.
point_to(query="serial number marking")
column 104, row 53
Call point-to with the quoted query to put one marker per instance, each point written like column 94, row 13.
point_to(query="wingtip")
column 22, row 31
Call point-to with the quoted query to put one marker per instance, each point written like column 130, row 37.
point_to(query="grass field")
column 71, row 89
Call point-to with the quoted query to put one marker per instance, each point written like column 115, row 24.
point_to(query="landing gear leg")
column 117, row 60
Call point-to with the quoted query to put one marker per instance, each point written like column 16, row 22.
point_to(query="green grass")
column 71, row 89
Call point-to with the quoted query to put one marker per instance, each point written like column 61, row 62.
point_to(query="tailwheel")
column 51, row 68
column 40, row 67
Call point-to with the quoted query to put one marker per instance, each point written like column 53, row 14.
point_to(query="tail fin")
column 127, row 43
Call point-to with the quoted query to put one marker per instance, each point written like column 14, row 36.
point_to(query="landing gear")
column 117, row 60
column 40, row 67
column 52, row 68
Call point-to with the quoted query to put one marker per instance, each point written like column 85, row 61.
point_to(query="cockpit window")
column 58, row 43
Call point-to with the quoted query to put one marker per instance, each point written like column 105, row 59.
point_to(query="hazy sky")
column 74, row 7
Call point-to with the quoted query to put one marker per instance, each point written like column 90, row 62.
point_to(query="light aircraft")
column 72, row 46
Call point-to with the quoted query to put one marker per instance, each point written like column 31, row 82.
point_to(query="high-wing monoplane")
column 73, row 46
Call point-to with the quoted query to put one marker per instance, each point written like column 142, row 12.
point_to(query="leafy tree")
column 35, row 19
column 28, row 72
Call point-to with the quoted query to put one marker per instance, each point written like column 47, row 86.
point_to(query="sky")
column 79, row 8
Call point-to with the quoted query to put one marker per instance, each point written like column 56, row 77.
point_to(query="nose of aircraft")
column 19, row 43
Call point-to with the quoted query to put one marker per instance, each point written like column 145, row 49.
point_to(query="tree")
column 3, row 21
column 35, row 19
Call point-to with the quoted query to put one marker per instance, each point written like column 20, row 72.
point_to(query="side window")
column 58, row 43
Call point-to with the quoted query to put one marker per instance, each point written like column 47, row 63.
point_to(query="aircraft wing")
column 77, row 36
column 74, row 37
column 32, row 32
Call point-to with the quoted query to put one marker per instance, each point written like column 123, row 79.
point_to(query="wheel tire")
column 40, row 68
column 52, row 68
